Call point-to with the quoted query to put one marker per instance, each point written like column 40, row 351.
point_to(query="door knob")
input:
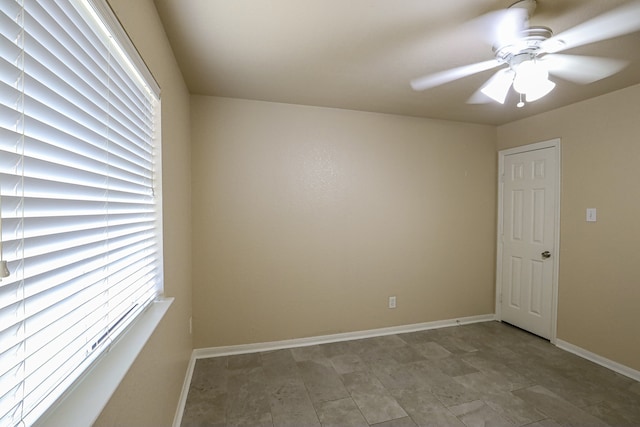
column 546, row 254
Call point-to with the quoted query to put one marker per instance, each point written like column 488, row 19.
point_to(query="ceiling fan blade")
column 510, row 27
column 619, row 21
column 582, row 69
column 442, row 77
column 496, row 88
column 501, row 27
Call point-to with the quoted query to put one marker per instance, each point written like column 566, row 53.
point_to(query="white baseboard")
column 602, row 361
column 177, row 419
column 203, row 353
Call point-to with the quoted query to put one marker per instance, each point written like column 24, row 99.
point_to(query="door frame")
column 555, row 144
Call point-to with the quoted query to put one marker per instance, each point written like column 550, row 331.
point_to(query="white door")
column 528, row 239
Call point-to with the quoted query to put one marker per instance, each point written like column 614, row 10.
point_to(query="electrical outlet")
column 392, row 302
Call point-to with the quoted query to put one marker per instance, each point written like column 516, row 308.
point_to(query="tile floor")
column 474, row 375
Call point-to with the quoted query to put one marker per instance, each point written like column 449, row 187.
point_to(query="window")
column 79, row 195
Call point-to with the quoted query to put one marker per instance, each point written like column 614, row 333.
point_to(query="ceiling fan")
column 530, row 53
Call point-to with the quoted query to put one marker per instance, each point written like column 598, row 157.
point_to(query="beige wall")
column 149, row 394
column 308, row 218
column 599, row 282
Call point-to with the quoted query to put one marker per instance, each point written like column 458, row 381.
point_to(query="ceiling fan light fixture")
column 539, row 90
column 529, row 74
column 498, row 87
column 532, row 80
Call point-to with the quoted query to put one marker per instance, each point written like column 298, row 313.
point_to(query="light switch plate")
column 591, row 214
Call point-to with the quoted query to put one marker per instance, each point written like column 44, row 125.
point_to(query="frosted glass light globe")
column 529, row 75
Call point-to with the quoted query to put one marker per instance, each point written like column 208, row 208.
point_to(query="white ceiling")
column 362, row 54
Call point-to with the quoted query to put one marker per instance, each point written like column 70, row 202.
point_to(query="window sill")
column 84, row 402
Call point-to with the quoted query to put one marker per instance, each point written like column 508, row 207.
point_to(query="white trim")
column 82, row 404
column 602, row 361
column 555, row 144
column 203, row 353
column 177, row 419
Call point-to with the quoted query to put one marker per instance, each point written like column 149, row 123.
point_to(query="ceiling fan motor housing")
column 528, row 5
column 524, row 48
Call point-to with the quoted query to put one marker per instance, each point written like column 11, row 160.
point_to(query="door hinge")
column 501, row 298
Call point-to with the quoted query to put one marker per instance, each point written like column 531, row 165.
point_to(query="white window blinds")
column 79, row 195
